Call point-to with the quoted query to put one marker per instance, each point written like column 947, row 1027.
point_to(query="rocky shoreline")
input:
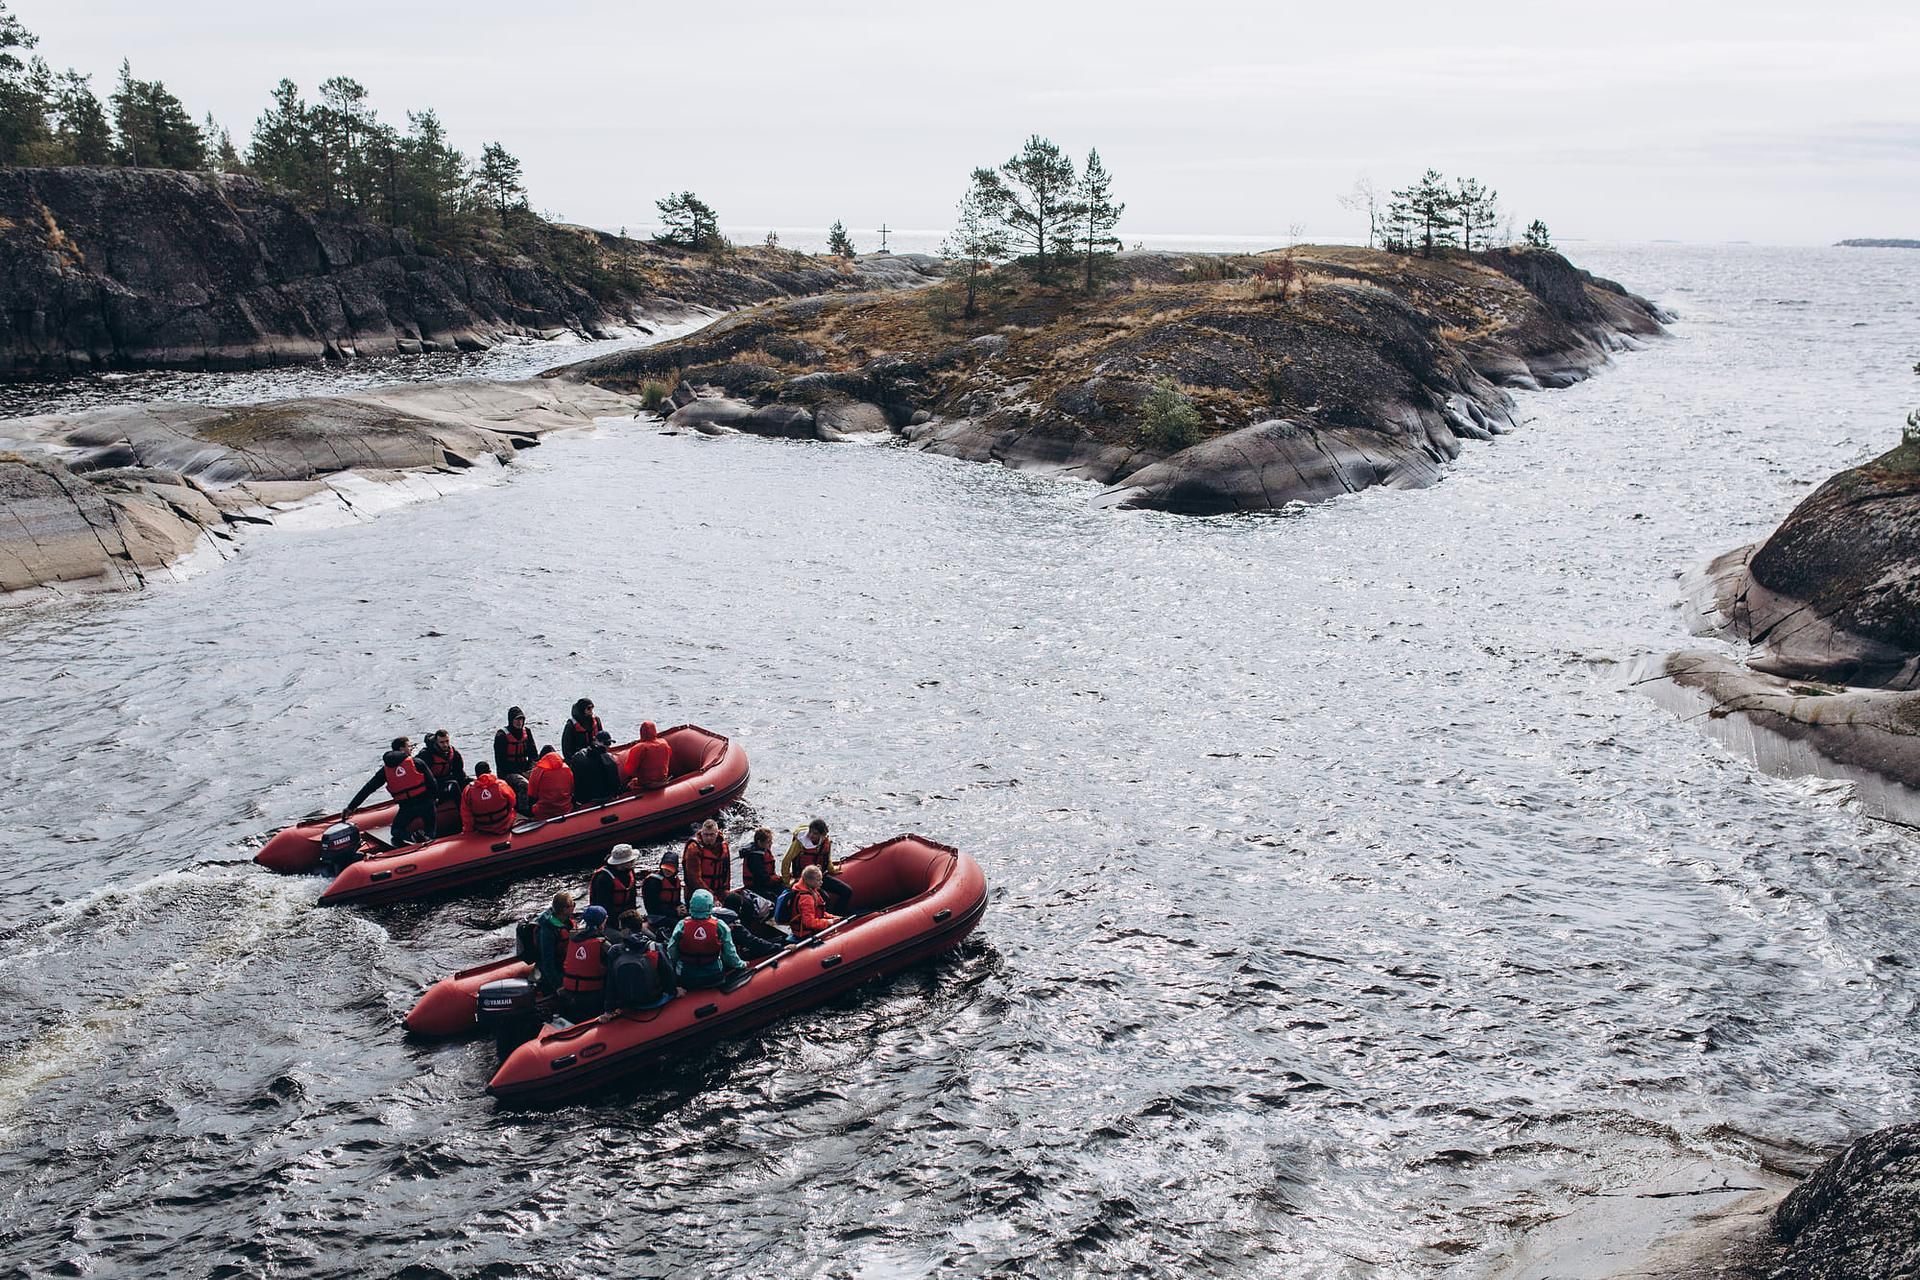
column 104, row 498
column 1827, row 612
column 118, row 268
column 1371, row 372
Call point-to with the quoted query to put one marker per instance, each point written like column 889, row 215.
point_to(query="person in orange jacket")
column 552, row 785
column 487, row 804
column 649, row 761
column 810, row 914
column 706, row 862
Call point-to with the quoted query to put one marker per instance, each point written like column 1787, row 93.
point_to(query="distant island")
column 1878, row 244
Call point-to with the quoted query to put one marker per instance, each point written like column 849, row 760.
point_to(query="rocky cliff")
column 151, row 268
column 1829, row 607
column 1370, row 370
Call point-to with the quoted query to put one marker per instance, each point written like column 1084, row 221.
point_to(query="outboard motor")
column 339, row 847
column 506, row 1007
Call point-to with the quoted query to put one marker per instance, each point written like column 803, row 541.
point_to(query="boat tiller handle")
column 829, row 962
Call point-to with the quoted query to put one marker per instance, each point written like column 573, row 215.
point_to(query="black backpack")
column 526, row 941
column 633, row 980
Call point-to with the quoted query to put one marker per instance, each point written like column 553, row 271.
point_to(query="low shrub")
column 1169, row 418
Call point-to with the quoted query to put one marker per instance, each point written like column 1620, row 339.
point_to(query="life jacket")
column 489, row 802
column 666, row 887
column 757, row 870
column 585, row 966
column 620, row 893
column 797, row 912
column 405, row 781
column 819, row 855
column 650, row 762
column 700, row 938
column 517, row 753
column 710, row 862
column 552, row 785
column 438, row 765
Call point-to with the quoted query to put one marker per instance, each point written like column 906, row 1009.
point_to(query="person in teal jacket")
column 701, row 947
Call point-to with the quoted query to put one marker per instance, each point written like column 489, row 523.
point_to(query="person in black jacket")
column 660, row 895
column 513, row 747
column 582, row 728
column 596, row 772
column 439, row 760
column 409, row 783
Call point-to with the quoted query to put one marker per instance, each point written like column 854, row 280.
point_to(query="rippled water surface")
column 1350, row 912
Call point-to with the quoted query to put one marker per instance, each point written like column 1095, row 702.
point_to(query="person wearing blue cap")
column 701, row 947
column 584, row 971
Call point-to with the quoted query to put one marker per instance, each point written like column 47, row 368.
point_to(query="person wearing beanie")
column 596, row 771
column 660, row 895
column 701, row 949
column 582, row 728
column 513, row 747
column 616, row 886
column 584, row 972
column 649, row 761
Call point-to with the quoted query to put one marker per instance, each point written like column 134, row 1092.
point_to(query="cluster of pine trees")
column 1434, row 212
column 335, row 152
column 1038, row 209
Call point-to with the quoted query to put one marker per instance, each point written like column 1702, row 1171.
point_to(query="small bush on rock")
column 1170, row 420
column 653, row 395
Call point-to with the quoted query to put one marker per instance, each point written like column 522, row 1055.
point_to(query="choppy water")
column 1350, row 912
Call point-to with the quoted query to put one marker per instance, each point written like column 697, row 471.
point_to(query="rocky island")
column 1293, row 376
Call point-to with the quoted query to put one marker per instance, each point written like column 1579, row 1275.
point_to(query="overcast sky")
column 1684, row 119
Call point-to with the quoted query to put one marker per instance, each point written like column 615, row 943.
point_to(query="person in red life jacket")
column 660, row 895
column 488, row 805
column 444, row 765
column 809, row 906
column 551, row 785
column 582, row 728
column 616, row 886
column 410, row 786
column 706, row 862
column 513, row 749
column 551, row 932
column 757, row 863
column 649, row 761
column 583, row 971
column 701, row 949
column 813, row 847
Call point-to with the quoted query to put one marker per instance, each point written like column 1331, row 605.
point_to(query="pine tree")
column 283, row 146
column 1430, row 207
column 220, row 152
column 687, row 219
column 1037, row 204
column 1537, row 237
column 839, row 243
column 23, row 116
column 433, row 175
column 1477, row 208
column 340, row 123
column 152, row 128
column 1099, row 213
column 978, row 239
column 81, row 133
column 499, row 177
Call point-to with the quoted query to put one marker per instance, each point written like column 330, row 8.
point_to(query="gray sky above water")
column 1686, row 119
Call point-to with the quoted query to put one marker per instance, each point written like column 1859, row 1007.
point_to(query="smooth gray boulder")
column 784, row 421
column 851, row 417
column 712, row 415
column 1270, row 464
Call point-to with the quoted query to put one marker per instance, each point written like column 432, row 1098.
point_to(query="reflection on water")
column 1350, row 913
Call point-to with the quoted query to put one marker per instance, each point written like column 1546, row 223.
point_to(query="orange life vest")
column 489, row 800
column 405, row 781
column 585, row 968
column 620, row 897
column 700, row 938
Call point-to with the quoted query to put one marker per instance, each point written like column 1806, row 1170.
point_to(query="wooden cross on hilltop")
column 883, row 239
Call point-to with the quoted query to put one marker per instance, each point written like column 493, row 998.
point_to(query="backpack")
column 783, row 907
column 634, row 980
column 526, row 941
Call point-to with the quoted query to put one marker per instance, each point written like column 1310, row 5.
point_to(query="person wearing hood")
column 757, row 863
column 551, row 932
column 513, row 747
column 701, row 949
column 551, row 785
column 410, row 786
column 616, row 885
column 488, row 805
column 582, row 728
column 706, row 862
column 596, row 773
column 584, row 970
column 660, row 895
column 650, row 760
column 813, row 847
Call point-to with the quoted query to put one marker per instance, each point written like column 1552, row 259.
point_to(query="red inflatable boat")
column 708, row 773
column 913, row 899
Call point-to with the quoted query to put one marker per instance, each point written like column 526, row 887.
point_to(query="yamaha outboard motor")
column 506, row 1007
column 339, row 847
